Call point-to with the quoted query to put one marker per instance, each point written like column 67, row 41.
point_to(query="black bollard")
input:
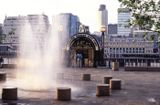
column 9, row 93
column 63, row 93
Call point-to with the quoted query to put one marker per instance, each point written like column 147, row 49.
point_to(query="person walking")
column 1, row 61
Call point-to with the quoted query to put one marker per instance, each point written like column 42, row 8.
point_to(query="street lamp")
column 61, row 43
column 103, row 29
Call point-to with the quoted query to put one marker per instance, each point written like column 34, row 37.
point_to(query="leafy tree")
column 152, row 37
column 144, row 35
column 145, row 13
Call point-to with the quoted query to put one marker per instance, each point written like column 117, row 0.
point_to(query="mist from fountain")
column 39, row 57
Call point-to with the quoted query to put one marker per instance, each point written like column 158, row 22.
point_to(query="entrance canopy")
column 85, row 37
column 86, row 46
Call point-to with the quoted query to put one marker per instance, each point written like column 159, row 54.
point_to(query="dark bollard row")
column 115, row 84
column 115, row 66
column 108, row 84
column 9, row 93
column 64, row 94
column 2, row 76
column 86, row 77
column 106, row 80
column 102, row 90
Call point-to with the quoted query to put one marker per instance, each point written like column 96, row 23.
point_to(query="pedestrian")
column 1, row 61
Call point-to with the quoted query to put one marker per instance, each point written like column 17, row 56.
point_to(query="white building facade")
column 120, row 45
column 116, row 48
column 13, row 26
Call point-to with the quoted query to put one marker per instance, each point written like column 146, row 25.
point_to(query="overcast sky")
column 85, row 9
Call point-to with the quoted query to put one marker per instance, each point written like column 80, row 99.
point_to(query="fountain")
column 38, row 60
column 38, row 64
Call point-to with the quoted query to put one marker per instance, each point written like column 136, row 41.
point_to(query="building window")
column 111, row 50
column 130, row 50
column 123, row 50
column 120, row 50
column 136, row 50
column 140, row 50
column 133, row 50
column 117, row 50
column 126, row 50
column 143, row 50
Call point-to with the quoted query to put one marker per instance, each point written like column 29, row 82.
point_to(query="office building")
column 13, row 26
column 65, row 25
column 124, row 15
column 125, row 49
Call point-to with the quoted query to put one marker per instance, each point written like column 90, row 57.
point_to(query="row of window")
column 129, row 43
column 113, row 55
column 125, row 50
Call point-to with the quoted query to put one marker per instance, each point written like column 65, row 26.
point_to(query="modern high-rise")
column 65, row 25
column 124, row 15
column 103, row 17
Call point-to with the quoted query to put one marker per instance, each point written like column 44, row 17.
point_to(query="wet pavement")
column 138, row 88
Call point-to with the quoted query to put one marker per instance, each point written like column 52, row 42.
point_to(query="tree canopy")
column 145, row 13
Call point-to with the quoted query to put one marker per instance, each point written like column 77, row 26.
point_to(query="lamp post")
column 61, row 43
column 103, row 29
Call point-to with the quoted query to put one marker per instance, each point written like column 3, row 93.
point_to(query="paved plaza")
column 138, row 88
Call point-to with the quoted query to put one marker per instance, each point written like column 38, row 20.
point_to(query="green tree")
column 152, row 37
column 145, row 13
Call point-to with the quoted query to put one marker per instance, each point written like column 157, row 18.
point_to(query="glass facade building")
column 123, row 22
column 65, row 25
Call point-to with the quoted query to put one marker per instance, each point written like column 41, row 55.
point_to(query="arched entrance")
column 83, row 50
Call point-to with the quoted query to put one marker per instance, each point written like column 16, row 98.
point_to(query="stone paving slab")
column 138, row 88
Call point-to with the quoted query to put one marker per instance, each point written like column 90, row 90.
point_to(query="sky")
column 86, row 10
